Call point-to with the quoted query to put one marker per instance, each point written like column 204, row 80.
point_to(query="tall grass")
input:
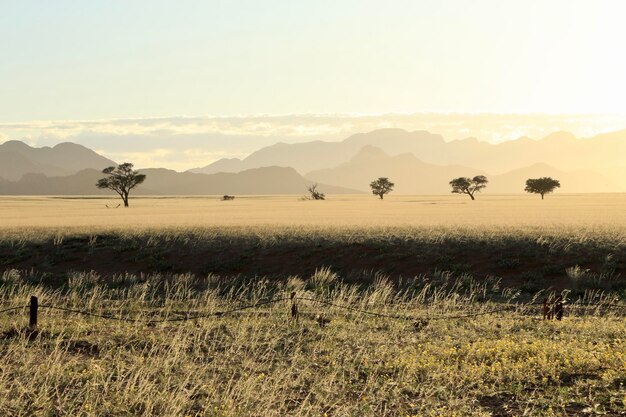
column 263, row 363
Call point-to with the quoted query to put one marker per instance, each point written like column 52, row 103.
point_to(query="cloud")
column 183, row 142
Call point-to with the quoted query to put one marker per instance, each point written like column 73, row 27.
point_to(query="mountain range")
column 413, row 176
column 18, row 159
column 418, row 162
column 160, row 181
column 604, row 154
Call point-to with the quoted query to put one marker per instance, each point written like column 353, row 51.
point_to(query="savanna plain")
column 407, row 306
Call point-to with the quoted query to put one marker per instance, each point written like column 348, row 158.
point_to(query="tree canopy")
column 121, row 179
column 543, row 185
column 381, row 186
column 469, row 186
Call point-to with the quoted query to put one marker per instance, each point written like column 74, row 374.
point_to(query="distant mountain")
column 412, row 176
column 14, row 165
column 418, row 162
column 159, row 181
column 17, row 159
column 267, row 180
column 603, row 154
column 309, row 156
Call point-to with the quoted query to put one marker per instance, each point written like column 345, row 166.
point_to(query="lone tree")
column 381, row 186
column 469, row 186
column 315, row 194
column 543, row 185
column 121, row 179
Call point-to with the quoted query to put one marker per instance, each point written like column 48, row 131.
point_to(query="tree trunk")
column 381, row 195
column 471, row 196
column 542, row 196
column 125, row 198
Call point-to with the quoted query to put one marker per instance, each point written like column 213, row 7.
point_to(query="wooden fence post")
column 294, row 307
column 34, row 306
column 558, row 307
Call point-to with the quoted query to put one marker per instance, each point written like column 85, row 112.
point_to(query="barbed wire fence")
column 548, row 308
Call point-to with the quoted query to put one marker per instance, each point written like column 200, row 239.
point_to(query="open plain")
column 362, row 211
column 409, row 306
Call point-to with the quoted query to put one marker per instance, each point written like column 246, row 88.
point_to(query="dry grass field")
column 455, row 284
column 260, row 362
column 588, row 210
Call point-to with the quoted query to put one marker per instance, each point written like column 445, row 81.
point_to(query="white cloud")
column 185, row 142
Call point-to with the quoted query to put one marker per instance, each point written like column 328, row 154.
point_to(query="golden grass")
column 589, row 210
column 264, row 364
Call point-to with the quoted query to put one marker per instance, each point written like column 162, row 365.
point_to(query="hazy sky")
column 69, row 60
column 182, row 83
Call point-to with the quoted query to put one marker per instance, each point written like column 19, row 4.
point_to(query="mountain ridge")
column 64, row 158
column 405, row 157
column 600, row 153
column 162, row 181
column 413, row 176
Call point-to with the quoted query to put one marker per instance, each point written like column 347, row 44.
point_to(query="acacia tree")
column 543, row 185
column 469, row 186
column 381, row 186
column 121, row 179
column 315, row 194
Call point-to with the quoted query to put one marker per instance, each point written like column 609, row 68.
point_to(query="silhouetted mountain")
column 410, row 175
column 413, row 176
column 267, row 180
column 309, row 156
column 14, row 165
column 159, row 181
column 81, row 183
column 603, row 154
column 18, row 158
column 423, row 164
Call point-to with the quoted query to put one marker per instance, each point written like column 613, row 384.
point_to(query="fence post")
column 558, row 308
column 294, row 307
column 34, row 305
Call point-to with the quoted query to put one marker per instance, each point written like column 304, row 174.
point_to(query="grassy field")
column 260, row 362
column 588, row 210
column 423, row 260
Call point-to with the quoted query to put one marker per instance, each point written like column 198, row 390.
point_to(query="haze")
column 182, row 85
column 119, row 59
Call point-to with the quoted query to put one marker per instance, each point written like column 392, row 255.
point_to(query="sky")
column 113, row 61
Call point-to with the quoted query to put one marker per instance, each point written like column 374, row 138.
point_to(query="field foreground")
column 422, row 359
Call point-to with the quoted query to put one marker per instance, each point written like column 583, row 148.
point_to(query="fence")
column 552, row 308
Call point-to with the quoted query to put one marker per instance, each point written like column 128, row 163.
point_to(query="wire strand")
column 12, row 308
column 393, row 316
column 163, row 320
